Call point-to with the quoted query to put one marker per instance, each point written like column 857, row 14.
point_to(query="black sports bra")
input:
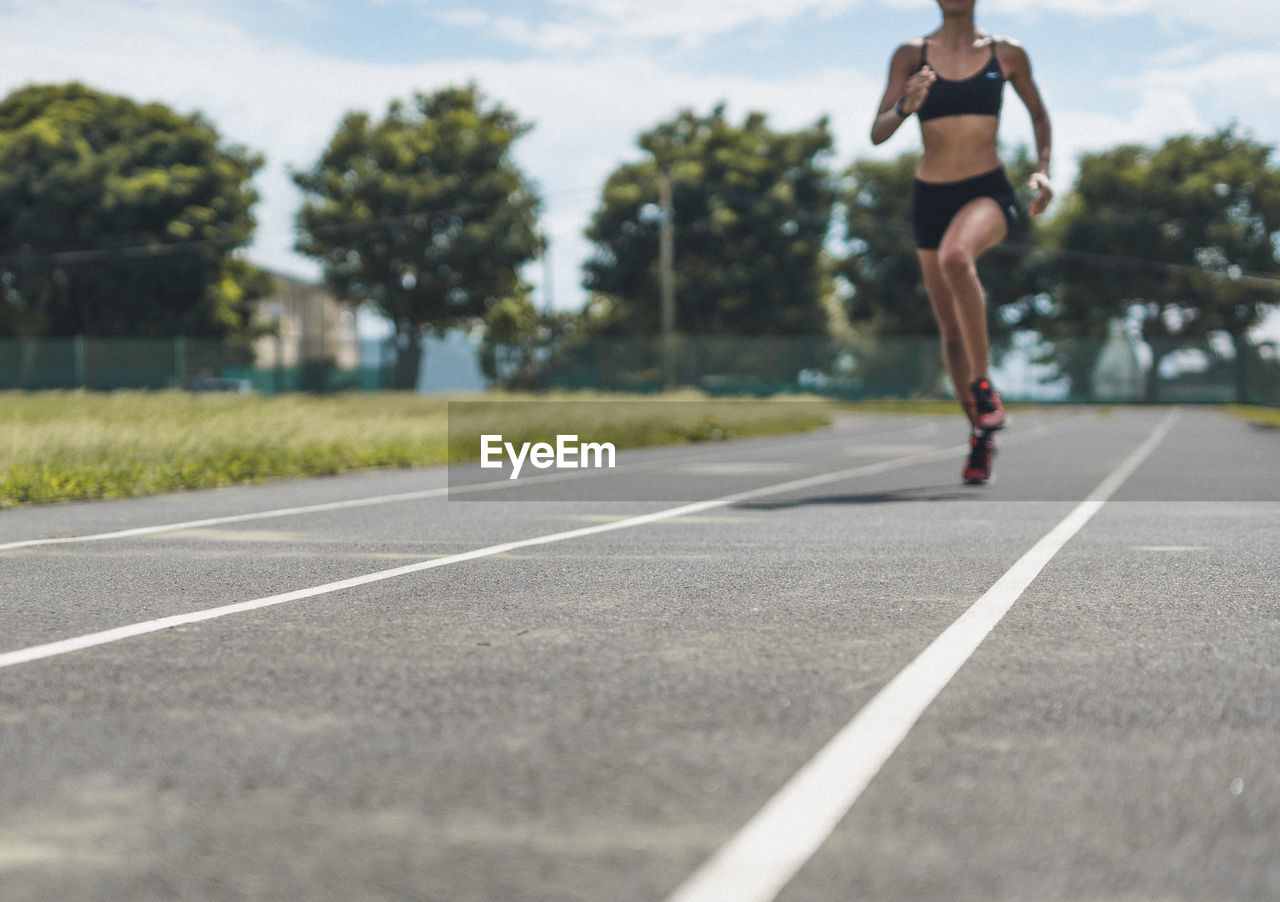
column 979, row 95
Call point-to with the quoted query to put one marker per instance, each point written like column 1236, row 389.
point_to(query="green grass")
column 627, row 421
column 60, row 446
column 1259, row 416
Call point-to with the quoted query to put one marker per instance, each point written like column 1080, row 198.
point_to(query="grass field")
column 63, row 446
column 1268, row 417
column 60, row 446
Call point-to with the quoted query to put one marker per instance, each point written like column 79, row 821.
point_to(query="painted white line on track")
column 348, row 504
column 105, row 637
column 222, row 521
column 767, row 852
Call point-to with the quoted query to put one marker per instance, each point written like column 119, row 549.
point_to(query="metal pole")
column 667, row 280
column 548, row 295
column 180, row 360
column 78, row 350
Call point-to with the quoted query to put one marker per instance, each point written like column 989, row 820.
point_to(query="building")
column 308, row 327
column 313, row 342
column 1117, row 375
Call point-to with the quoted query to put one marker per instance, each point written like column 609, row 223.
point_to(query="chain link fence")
column 1028, row 369
column 1025, row 369
column 107, row 364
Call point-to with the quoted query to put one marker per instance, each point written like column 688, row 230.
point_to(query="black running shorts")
column 935, row 204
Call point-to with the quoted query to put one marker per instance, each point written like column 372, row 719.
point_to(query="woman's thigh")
column 978, row 226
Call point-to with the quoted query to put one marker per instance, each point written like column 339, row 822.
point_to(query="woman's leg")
column 954, row 355
column 979, row 226
column 960, row 306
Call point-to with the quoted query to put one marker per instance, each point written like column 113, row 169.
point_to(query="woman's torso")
column 960, row 119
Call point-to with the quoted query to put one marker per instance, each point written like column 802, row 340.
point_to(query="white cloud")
column 286, row 102
column 1243, row 79
column 588, row 103
column 585, row 24
column 1255, row 19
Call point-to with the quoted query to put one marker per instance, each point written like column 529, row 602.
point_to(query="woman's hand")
column 1039, row 183
column 917, row 90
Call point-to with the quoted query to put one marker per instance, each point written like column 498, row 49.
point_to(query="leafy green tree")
column 513, row 335
column 423, row 213
column 1184, row 239
column 894, row 336
column 751, row 208
column 885, row 294
column 118, row 218
column 524, row 349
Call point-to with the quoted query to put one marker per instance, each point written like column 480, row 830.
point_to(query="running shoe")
column 977, row 469
column 987, row 409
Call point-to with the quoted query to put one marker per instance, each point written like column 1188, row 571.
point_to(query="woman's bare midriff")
column 958, row 147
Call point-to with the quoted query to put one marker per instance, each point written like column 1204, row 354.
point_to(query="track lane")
column 159, row 570
column 537, row 725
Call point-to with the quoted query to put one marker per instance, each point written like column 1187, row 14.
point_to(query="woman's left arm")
column 1017, row 68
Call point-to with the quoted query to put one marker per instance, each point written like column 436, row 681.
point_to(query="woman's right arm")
column 905, row 85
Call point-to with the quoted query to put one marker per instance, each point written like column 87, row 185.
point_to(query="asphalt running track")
column 826, row 671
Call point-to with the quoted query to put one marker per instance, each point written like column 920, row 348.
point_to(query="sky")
column 591, row 75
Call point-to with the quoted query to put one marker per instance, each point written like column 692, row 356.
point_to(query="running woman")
column 962, row 202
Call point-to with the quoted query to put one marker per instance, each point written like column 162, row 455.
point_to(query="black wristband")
column 897, row 107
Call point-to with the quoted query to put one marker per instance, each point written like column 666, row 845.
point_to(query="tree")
column 524, row 349
column 885, row 293
column 1182, row 239
column 423, row 213
column 751, row 211
column 878, row 275
column 513, row 335
column 121, row 219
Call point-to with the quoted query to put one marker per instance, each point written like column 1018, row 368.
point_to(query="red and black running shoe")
column 988, row 412
column 977, row 469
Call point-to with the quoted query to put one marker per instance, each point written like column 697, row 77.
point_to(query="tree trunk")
column 1151, row 381
column 1240, row 372
column 404, row 376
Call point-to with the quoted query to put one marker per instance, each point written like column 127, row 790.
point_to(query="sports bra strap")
column 924, row 46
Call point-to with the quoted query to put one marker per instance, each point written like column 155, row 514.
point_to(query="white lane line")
column 222, row 521
column 347, row 504
column 305, row 509
column 354, row 503
column 105, row 637
column 767, row 852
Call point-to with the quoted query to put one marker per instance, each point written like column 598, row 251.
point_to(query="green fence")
column 110, row 363
column 903, row 367
column 105, row 364
column 1207, row 371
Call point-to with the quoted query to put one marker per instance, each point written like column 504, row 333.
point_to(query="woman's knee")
column 956, row 262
